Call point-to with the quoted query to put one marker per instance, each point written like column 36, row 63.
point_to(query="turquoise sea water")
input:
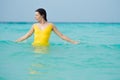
column 97, row 57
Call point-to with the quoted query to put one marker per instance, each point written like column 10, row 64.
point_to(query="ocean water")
column 97, row 57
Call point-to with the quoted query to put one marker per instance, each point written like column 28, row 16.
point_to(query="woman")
column 42, row 30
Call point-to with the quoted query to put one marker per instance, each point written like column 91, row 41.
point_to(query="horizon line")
column 28, row 22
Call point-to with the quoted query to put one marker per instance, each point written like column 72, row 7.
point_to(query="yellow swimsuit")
column 41, row 37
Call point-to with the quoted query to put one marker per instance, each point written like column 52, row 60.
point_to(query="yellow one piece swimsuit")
column 41, row 37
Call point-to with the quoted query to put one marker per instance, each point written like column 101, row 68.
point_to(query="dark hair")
column 42, row 12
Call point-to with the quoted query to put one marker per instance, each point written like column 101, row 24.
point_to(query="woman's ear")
column 43, row 16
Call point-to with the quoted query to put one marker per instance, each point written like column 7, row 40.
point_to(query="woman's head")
column 40, row 13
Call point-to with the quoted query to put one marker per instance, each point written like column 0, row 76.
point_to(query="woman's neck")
column 42, row 22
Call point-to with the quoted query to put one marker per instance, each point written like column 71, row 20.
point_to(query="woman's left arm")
column 55, row 30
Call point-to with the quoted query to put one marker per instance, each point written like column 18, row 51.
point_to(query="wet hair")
column 42, row 12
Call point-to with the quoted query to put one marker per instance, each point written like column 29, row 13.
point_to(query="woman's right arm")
column 27, row 35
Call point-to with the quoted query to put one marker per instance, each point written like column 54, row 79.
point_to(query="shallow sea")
column 97, row 57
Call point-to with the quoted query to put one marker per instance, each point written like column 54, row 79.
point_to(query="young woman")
column 42, row 30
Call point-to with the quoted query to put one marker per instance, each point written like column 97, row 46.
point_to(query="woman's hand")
column 76, row 42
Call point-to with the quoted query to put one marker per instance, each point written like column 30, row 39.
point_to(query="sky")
column 61, row 10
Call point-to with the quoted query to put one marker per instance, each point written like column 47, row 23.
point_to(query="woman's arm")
column 63, row 36
column 27, row 35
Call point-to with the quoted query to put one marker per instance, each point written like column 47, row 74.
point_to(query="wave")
column 64, row 45
column 3, row 42
column 106, row 46
column 8, row 43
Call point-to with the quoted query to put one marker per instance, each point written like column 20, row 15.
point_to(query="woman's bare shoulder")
column 51, row 24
